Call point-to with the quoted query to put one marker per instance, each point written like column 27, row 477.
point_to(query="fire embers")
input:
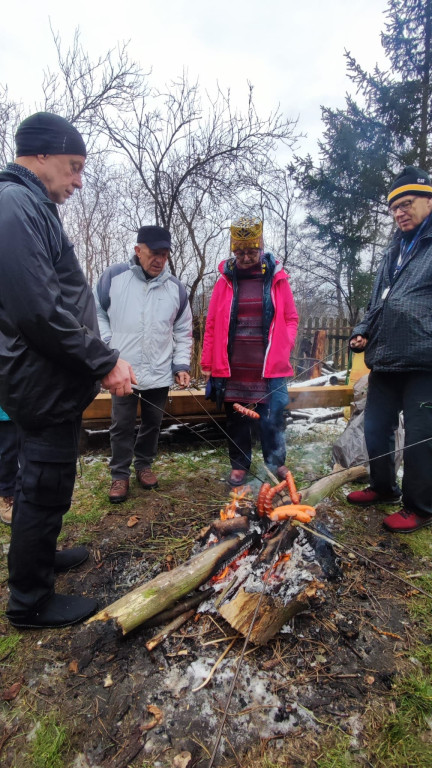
column 275, row 572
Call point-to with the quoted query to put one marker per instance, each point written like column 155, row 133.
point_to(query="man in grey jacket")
column 143, row 311
column 396, row 335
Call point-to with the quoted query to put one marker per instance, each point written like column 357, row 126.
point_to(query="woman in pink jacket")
column 250, row 333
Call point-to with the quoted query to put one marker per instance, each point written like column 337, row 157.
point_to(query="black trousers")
column 8, row 457
column 388, row 395
column 43, row 494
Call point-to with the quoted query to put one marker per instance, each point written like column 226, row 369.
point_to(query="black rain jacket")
column 398, row 323
column 51, row 355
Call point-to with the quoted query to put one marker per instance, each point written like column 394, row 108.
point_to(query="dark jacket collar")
column 17, row 173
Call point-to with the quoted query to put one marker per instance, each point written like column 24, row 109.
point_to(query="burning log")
column 223, row 528
column 278, row 543
column 271, row 613
column 162, row 592
column 325, row 487
column 284, row 595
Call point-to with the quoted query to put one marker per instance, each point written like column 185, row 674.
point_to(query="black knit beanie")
column 46, row 134
column 410, row 181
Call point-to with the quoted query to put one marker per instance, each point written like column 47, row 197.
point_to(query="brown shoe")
column 282, row 472
column 6, row 504
column 146, row 478
column 119, row 490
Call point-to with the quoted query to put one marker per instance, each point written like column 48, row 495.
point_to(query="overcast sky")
column 290, row 50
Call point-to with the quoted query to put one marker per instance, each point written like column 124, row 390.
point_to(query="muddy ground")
column 126, row 707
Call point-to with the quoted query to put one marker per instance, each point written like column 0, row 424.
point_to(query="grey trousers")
column 122, row 430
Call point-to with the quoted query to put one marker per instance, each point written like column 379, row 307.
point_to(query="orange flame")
column 280, row 561
column 220, row 576
column 231, row 567
column 230, row 509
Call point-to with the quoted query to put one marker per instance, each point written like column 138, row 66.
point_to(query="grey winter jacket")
column 398, row 323
column 51, row 354
column 148, row 320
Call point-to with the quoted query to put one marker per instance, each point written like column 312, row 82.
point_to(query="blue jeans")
column 271, row 426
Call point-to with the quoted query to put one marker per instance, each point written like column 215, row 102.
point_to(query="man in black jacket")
column 396, row 335
column 51, row 362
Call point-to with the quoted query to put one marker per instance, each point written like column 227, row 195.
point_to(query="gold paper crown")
column 246, row 233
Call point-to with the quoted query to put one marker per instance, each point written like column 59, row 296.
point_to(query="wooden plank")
column 320, row 397
column 190, row 407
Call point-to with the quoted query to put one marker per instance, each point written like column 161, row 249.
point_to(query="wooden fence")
column 338, row 331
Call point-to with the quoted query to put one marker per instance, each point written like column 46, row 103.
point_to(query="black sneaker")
column 57, row 611
column 65, row 559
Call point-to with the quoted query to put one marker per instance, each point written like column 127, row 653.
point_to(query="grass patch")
column 399, row 737
column 90, row 501
column 8, row 645
column 420, row 544
column 339, row 755
column 421, row 605
column 50, row 744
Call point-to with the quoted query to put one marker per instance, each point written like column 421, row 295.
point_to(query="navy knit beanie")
column 46, row 134
column 410, row 181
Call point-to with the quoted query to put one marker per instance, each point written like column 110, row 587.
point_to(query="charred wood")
column 279, row 543
column 169, row 629
column 191, row 602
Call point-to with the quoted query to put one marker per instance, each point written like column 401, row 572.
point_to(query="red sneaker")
column 237, row 477
column 369, row 496
column 406, row 522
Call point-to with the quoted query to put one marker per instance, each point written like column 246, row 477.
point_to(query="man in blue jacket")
column 396, row 335
column 51, row 362
column 143, row 310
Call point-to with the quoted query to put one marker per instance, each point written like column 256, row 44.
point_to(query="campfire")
column 275, row 574
column 258, row 565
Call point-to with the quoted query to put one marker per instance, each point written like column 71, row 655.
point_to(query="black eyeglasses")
column 247, row 252
column 404, row 206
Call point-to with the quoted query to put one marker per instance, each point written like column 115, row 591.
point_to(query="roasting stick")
column 361, row 556
column 191, row 429
column 240, row 660
column 216, row 664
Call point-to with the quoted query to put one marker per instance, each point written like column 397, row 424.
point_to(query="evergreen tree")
column 387, row 126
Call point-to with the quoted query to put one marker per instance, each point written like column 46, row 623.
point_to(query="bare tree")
column 80, row 87
column 10, row 117
column 93, row 219
column 176, row 157
column 193, row 157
